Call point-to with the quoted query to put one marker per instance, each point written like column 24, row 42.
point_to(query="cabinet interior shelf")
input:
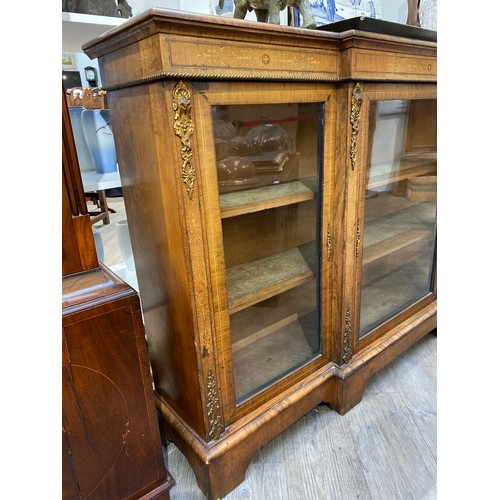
column 253, row 282
column 264, row 332
column 388, row 255
column 394, row 244
column 263, row 198
column 406, row 170
column 279, row 312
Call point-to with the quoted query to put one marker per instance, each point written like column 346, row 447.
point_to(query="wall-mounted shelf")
column 80, row 28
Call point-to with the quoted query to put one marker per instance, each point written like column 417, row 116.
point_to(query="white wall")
column 395, row 11
column 139, row 6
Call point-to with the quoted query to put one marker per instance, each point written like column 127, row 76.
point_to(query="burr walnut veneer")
column 280, row 190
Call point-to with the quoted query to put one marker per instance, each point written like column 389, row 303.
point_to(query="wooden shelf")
column 270, row 358
column 386, row 204
column 411, row 165
column 264, row 332
column 263, row 198
column 256, row 281
column 392, row 245
column 263, row 319
column 282, row 328
column 390, row 254
column 419, row 156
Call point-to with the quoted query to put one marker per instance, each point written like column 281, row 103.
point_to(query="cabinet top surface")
column 82, row 288
column 160, row 20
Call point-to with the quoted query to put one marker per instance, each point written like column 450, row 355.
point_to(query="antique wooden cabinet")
column 280, row 190
column 111, row 446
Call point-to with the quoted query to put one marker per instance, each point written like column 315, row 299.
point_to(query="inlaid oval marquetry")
column 103, row 407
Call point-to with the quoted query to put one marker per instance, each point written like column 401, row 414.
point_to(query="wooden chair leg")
column 104, row 210
column 104, row 206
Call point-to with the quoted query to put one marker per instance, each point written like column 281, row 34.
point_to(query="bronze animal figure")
column 112, row 8
column 268, row 11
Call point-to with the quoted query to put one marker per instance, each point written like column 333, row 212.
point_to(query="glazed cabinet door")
column 394, row 221
column 267, row 190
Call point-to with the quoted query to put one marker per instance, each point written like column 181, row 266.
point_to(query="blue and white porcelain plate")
column 329, row 11
column 347, row 9
column 323, row 11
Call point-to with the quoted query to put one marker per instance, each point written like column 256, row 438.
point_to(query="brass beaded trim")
column 172, row 75
column 164, row 75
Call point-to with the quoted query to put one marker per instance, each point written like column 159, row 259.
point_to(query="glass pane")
column 269, row 160
column 400, row 209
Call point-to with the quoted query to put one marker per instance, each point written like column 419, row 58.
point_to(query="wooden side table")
column 111, row 437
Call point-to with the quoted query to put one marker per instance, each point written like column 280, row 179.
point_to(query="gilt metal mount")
column 184, row 129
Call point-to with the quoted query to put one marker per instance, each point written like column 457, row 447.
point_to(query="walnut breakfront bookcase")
column 280, row 187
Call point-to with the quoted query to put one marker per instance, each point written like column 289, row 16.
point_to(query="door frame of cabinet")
column 364, row 94
column 248, row 93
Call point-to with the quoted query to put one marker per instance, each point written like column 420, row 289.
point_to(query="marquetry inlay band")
column 213, row 408
column 356, row 101
column 347, row 336
column 184, row 128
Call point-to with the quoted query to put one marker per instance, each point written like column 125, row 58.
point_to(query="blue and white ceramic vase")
column 82, row 150
column 99, row 137
column 99, row 246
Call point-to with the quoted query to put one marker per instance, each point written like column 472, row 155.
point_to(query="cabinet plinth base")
column 220, row 466
column 352, row 378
